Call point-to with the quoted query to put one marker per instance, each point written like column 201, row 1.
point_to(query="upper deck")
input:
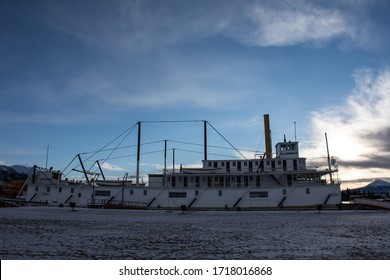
column 286, row 159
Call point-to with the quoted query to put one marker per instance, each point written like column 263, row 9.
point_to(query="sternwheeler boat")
column 279, row 180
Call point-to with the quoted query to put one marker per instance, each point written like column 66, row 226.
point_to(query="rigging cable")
column 94, row 153
column 129, row 131
column 227, row 141
column 211, row 146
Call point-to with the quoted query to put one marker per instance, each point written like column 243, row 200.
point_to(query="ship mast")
column 327, row 149
column 47, row 155
column 267, row 132
column 138, row 153
column 165, row 162
column 205, row 139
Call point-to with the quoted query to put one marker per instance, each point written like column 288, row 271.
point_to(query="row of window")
column 97, row 192
column 241, row 181
column 262, row 194
column 49, row 188
column 257, row 163
column 256, row 194
column 219, row 181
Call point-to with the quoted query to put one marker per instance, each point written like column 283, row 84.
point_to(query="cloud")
column 112, row 38
column 112, row 167
column 358, row 130
column 174, row 80
column 143, row 25
column 295, row 22
column 44, row 118
column 117, row 53
column 134, row 25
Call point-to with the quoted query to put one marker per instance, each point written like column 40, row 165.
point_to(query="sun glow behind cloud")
column 358, row 129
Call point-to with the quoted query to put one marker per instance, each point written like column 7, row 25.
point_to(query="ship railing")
column 321, row 168
column 231, row 185
column 92, row 202
column 106, row 203
column 125, row 204
column 327, row 181
column 193, row 185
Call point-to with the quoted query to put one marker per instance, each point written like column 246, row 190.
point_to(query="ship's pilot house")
column 287, row 150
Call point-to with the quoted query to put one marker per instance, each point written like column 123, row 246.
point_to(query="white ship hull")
column 303, row 195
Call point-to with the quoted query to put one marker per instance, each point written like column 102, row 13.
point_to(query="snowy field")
column 60, row 233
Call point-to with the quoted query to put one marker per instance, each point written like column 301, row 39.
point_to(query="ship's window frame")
column 307, row 190
column 102, row 193
column 60, row 189
column 261, row 194
column 131, row 192
column 145, row 192
column 177, row 194
column 220, row 193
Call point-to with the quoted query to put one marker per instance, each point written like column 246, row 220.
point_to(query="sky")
column 77, row 76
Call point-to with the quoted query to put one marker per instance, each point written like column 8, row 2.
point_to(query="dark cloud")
column 371, row 161
column 380, row 139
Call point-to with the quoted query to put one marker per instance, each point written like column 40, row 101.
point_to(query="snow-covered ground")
column 60, row 233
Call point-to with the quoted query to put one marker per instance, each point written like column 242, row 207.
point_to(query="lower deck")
column 201, row 197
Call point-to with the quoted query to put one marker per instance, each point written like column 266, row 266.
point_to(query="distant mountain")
column 13, row 173
column 378, row 186
column 21, row 169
